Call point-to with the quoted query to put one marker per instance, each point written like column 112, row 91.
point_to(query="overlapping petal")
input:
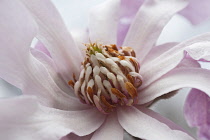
column 81, row 36
column 204, row 132
column 197, row 112
column 171, row 58
column 19, row 67
column 148, row 24
column 39, row 46
column 140, row 124
column 156, row 51
column 196, row 108
column 103, row 21
column 128, row 10
column 76, row 137
column 197, row 11
column 176, row 79
column 55, row 36
column 52, row 69
column 110, row 130
column 23, row 118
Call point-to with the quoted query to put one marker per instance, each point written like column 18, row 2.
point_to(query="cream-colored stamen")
column 109, row 77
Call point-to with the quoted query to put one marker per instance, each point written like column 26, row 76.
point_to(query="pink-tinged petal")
column 157, row 51
column 142, row 125
column 204, row 132
column 110, row 130
column 81, row 37
column 199, row 53
column 19, row 67
column 197, row 112
column 40, row 46
column 130, row 8
column 188, row 63
column 8, row 90
column 23, row 118
column 148, row 24
column 160, row 118
column 197, row 11
column 52, row 69
column 76, row 137
column 128, row 11
column 196, row 108
column 171, row 58
column 103, row 21
column 178, row 78
column 55, row 36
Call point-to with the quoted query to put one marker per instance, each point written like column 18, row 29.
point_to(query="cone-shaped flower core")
column 109, row 77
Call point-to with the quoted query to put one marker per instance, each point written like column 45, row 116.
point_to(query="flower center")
column 109, row 77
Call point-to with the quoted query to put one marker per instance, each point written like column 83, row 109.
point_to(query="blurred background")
column 75, row 16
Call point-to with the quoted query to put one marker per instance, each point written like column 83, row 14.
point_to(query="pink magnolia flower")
column 50, row 109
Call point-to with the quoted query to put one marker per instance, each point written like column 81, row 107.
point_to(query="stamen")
column 71, row 83
column 118, row 93
column 131, row 89
column 109, row 77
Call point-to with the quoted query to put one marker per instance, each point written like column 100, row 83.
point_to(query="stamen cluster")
column 109, row 77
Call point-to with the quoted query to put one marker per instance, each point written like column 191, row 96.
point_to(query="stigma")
column 109, row 77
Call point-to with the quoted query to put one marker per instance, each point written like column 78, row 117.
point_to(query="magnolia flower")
column 111, row 89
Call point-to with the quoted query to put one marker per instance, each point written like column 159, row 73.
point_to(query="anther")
column 131, row 89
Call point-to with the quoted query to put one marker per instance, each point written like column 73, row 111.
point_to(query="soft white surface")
column 75, row 15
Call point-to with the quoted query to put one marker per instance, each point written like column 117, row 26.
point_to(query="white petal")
column 103, row 22
column 148, row 24
column 110, row 130
column 178, row 78
column 23, row 118
column 51, row 68
column 157, row 51
column 55, row 36
column 170, row 59
column 144, row 126
column 19, row 67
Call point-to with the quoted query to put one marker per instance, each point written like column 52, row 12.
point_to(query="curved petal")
column 194, row 13
column 128, row 10
column 8, row 90
column 142, row 125
column 18, row 66
column 51, row 68
column 55, row 36
column 157, row 51
column 81, row 37
column 110, row 130
column 39, row 46
column 160, row 118
column 197, row 114
column 204, row 132
column 199, row 53
column 196, row 108
column 23, row 118
column 148, row 24
column 76, row 137
column 171, row 58
column 178, row 78
column 103, row 22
